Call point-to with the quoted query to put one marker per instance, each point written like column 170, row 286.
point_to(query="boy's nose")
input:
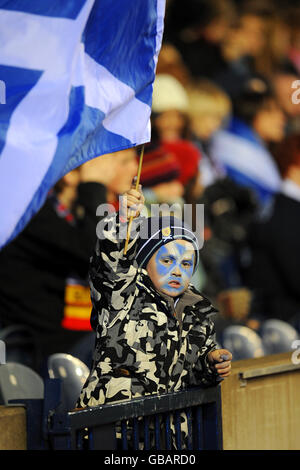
column 176, row 271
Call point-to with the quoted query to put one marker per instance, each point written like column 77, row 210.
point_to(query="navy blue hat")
column 158, row 231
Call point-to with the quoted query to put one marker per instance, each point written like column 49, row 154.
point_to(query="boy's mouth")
column 175, row 284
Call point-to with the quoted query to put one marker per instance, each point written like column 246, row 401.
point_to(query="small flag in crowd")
column 77, row 77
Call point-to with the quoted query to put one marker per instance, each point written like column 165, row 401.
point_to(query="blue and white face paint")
column 172, row 267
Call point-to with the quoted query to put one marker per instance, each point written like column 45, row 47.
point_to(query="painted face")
column 171, row 267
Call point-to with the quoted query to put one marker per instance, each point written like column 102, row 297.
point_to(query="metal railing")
column 189, row 419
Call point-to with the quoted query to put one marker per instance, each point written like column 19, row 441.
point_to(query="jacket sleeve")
column 112, row 274
column 203, row 373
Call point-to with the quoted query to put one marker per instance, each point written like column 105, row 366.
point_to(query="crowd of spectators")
column 226, row 134
column 238, row 62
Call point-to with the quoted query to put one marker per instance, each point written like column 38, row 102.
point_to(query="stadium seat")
column 72, row 372
column 242, row 342
column 21, row 346
column 18, row 381
column 277, row 336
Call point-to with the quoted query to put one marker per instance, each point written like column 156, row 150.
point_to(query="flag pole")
column 136, row 187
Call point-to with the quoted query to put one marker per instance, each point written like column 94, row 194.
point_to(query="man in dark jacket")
column 274, row 272
column 44, row 270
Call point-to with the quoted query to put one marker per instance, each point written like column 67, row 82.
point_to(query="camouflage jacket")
column 141, row 347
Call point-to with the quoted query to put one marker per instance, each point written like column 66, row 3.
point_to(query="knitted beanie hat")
column 158, row 231
column 187, row 155
column 168, row 93
column 159, row 166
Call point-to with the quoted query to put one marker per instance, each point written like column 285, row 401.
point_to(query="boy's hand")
column 221, row 360
column 132, row 202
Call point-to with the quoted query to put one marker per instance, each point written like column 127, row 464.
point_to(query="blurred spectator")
column 44, row 270
column 229, row 210
column 231, row 202
column 274, row 241
column 169, row 109
column 197, row 28
column 170, row 131
column 244, row 43
column 249, row 49
column 125, row 169
column 160, row 179
column 294, row 24
column 209, row 108
column 283, row 81
column 274, row 55
column 232, row 42
column 243, row 149
column 170, row 62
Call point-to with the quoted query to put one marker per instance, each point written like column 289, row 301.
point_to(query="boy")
column 154, row 334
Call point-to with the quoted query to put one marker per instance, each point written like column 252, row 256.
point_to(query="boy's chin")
column 173, row 292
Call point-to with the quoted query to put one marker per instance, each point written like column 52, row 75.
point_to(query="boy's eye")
column 166, row 260
column 186, row 264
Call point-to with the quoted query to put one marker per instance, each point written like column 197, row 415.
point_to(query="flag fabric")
column 78, row 78
column 247, row 161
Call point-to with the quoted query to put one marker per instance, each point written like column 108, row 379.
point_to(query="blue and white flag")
column 76, row 82
column 247, row 161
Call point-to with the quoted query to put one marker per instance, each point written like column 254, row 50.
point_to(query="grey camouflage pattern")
column 137, row 331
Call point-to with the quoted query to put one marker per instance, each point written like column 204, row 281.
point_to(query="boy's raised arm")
column 112, row 273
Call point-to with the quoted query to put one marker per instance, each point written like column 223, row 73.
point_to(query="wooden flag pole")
column 136, row 187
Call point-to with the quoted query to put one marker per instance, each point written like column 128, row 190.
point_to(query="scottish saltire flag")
column 77, row 77
column 247, row 161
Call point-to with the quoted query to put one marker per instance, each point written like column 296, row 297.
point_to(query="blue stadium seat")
column 72, row 372
column 277, row 336
column 242, row 342
column 18, row 382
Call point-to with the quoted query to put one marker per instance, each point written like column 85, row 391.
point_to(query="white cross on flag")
column 78, row 79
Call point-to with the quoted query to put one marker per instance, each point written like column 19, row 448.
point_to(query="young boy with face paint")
column 154, row 331
column 171, row 267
